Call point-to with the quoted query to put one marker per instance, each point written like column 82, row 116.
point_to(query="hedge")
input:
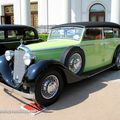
column 43, row 37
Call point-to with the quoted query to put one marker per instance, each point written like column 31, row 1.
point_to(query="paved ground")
column 97, row 98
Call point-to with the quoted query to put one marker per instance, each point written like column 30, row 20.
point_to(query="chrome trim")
column 19, row 67
column 101, row 71
column 12, row 90
column 88, row 45
column 24, row 48
column 38, row 50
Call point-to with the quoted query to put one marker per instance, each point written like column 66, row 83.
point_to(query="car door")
column 111, row 39
column 92, row 45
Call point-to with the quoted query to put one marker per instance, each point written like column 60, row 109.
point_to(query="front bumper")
column 12, row 90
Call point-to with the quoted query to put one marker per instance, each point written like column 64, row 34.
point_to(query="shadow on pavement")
column 76, row 93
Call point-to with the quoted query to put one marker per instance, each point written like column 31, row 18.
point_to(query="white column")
column 59, row 11
column 17, row 12
column 76, row 10
column 25, row 12
column 42, row 12
column 115, row 11
column 0, row 13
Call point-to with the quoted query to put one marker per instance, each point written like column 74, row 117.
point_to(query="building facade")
column 54, row 12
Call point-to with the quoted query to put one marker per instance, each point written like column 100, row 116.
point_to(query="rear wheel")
column 48, row 88
column 117, row 61
column 75, row 60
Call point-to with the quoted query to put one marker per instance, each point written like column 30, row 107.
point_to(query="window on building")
column 8, row 17
column 97, row 13
column 34, row 14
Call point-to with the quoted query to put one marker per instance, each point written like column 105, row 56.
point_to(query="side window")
column 19, row 34
column 93, row 34
column 29, row 34
column 108, row 33
column 2, row 36
column 11, row 34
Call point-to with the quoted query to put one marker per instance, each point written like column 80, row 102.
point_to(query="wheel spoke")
column 50, row 87
column 75, row 63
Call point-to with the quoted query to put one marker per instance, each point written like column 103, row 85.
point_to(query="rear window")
column 111, row 33
column 93, row 34
column 108, row 33
column 29, row 34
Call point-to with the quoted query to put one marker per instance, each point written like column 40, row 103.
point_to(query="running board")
column 102, row 71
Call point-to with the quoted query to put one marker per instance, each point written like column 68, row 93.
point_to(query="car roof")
column 89, row 24
column 9, row 26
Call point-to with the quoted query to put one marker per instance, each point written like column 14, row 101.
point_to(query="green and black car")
column 11, row 35
column 73, row 52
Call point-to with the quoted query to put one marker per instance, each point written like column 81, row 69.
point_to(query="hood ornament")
column 21, row 41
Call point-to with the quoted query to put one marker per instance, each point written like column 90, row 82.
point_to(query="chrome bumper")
column 12, row 90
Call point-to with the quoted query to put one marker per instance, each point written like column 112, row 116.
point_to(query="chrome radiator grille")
column 19, row 66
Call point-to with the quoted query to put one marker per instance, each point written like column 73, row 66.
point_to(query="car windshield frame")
column 66, row 33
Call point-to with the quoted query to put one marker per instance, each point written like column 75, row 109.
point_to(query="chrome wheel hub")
column 50, row 87
column 75, row 63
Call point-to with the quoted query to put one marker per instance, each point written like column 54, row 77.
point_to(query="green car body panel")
column 94, row 50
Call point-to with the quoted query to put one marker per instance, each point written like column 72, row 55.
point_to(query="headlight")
column 9, row 54
column 27, row 58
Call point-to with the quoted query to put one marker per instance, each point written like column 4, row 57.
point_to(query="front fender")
column 5, row 71
column 41, row 67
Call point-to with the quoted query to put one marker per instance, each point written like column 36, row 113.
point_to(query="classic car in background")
column 10, row 36
column 72, row 53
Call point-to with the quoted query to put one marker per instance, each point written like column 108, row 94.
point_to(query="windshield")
column 72, row 33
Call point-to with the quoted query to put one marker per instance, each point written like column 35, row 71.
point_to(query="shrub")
column 43, row 37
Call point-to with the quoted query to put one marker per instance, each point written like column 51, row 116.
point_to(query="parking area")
column 97, row 98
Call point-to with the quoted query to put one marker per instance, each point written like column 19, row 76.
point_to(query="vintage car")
column 73, row 52
column 10, row 36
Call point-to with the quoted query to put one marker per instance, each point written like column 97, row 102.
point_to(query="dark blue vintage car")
column 10, row 36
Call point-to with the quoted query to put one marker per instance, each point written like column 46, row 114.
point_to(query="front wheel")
column 48, row 88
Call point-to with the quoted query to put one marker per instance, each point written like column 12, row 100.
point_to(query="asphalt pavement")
column 97, row 98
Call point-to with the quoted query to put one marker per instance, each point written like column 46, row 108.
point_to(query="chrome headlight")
column 9, row 54
column 27, row 58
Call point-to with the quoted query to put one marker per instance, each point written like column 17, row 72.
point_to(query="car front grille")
column 19, row 66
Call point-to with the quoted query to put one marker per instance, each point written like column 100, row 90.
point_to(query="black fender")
column 41, row 67
column 5, row 71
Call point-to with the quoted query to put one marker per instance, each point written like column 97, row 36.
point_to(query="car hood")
column 51, row 44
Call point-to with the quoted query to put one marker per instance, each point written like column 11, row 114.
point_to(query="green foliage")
column 43, row 37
